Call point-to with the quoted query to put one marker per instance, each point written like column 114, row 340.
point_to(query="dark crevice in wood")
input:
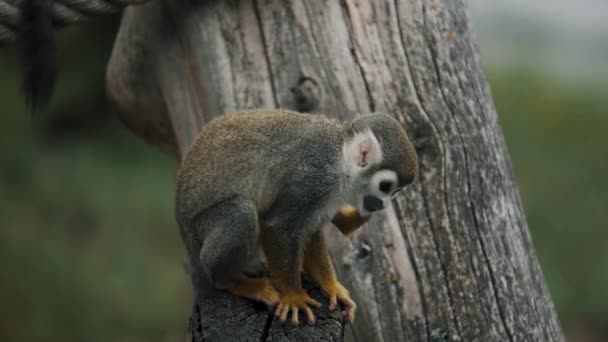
column 472, row 204
column 425, row 113
column 442, row 266
column 383, row 84
column 333, row 91
column 444, row 178
column 478, row 228
column 433, row 228
column 343, row 330
column 415, row 267
column 196, row 328
column 353, row 51
column 258, row 17
column 421, row 107
column 468, row 186
column 229, row 52
column 400, row 316
column 458, row 132
column 354, row 335
column 452, row 111
column 266, row 330
column 492, row 279
column 520, row 224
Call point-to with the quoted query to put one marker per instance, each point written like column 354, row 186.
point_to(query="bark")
column 452, row 259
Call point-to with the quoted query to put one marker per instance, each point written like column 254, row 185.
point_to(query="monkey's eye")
column 386, row 187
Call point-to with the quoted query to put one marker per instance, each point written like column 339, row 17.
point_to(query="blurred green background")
column 88, row 245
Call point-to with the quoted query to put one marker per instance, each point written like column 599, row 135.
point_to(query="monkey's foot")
column 336, row 292
column 259, row 289
column 294, row 301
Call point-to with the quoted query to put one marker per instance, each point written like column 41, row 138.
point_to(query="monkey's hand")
column 259, row 289
column 348, row 219
column 318, row 264
column 293, row 301
column 338, row 293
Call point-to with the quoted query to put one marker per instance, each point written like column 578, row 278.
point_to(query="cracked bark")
column 452, row 259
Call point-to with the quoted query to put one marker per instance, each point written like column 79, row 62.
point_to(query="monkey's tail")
column 38, row 51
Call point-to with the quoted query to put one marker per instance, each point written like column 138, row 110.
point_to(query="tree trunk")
column 452, row 259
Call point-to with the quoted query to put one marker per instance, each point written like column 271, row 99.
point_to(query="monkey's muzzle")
column 372, row 203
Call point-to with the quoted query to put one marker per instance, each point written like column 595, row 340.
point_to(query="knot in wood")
column 306, row 95
column 363, row 251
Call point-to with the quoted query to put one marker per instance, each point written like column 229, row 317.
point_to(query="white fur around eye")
column 382, row 176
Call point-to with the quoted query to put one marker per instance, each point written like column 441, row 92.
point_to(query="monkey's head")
column 379, row 161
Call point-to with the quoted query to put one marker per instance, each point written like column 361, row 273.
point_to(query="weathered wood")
column 223, row 317
column 452, row 259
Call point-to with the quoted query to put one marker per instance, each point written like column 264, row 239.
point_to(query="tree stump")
column 452, row 258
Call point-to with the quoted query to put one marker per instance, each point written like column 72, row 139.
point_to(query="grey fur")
column 279, row 168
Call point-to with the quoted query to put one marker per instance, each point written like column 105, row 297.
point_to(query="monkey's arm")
column 318, row 264
column 348, row 220
column 284, row 263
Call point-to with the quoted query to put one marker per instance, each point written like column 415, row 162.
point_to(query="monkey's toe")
column 259, row 289
column 295, row 302
column 338, row 293
column 269, row 296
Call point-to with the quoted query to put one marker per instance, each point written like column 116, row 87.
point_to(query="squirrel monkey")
column 273, row 179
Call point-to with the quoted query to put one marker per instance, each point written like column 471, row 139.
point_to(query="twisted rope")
column 64, row 12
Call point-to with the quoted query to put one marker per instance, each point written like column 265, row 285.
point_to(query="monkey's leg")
column 229, row 232
column 348, row 220
column 318, row 264
column 284, row 263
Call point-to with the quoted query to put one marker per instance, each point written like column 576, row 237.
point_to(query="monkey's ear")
column 363, row 150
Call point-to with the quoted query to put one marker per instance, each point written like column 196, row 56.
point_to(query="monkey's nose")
column 372, row 203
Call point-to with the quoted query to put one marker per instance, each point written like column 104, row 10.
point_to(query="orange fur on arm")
column 283, row 277
column 317, row 262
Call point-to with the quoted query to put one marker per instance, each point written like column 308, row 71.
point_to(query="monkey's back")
column 254, row 154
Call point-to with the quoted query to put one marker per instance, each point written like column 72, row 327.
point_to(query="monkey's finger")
column 349, row 313
column 270, row 303
column 277, row 311
column 284, row 313
column 348, row 302
column 294, row 315
column 313, row 302
column 309, row 315
column 271, row 300
column 333, row 301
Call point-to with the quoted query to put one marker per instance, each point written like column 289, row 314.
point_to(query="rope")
column 64, row 12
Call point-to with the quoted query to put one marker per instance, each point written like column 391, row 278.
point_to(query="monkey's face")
column 380, row 161
column 374, row 190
